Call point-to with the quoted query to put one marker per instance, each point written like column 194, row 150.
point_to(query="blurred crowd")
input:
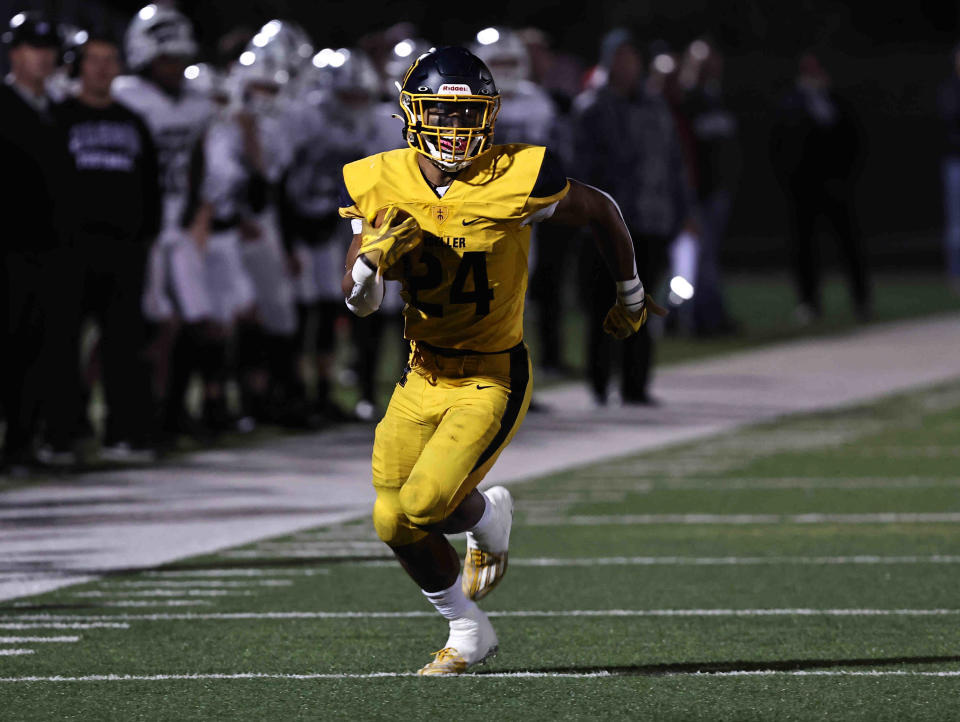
column 174, row 240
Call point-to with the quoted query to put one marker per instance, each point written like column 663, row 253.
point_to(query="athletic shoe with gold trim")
column 486, row 559
column 471, row 641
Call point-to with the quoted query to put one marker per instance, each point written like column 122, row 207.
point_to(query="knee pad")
column 422, row 500
column 391, row 524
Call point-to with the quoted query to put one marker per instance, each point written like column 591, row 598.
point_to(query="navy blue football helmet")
column 450, row 103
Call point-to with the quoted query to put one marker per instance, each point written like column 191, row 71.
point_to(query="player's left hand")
column 629, row 313
column 390, row 239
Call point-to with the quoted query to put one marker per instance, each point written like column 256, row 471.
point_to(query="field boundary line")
column 488, row 675
column 737, row 519
column 424, row 614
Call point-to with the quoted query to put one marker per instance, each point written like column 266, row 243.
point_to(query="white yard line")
column 63, row 625
column 15, row 652
column 304, row 572
column 708, row 561
column 159, row 603
column 424, row 614
column 736, row 519
column 646, row 484
column 196, row 583
column 27, row 640
column 490, row 675
column 163, row 593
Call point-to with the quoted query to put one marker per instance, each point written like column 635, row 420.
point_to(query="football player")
column 159, row 45
column 247, row 153
column 450, row 217
column 339, row 120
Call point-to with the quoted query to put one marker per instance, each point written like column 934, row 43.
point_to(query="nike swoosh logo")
column 470, row 223
column 484, row 387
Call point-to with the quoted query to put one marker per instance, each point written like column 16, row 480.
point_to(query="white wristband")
column 367, row 293
column 630, row 293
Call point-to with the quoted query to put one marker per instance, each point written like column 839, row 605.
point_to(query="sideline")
column 57, row 534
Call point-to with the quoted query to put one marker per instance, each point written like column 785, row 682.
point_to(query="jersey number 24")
column 473, row 263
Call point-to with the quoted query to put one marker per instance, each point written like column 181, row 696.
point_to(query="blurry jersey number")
column 473, row 263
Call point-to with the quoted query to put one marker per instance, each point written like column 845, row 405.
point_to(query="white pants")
column 229, row 287
column 176, row 281
column 321, row 270
column 266, row 266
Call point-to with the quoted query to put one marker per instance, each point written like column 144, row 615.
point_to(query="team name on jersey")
column 432, row 241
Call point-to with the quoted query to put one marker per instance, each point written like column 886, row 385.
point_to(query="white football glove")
column 367, row 293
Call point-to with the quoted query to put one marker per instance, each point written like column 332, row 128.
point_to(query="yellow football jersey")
column 466, row 291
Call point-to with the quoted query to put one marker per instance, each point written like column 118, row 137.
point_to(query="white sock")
column 452, row 603
column 486, row 518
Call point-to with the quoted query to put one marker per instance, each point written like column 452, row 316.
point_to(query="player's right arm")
column 393, row 234
column 362, row 286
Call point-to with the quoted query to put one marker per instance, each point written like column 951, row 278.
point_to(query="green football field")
column 799, row 570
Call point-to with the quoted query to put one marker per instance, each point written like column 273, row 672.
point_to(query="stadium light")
column 192, row 72
column 248, row 58
column 17, row 20
column 147, row 12
column 403, row 49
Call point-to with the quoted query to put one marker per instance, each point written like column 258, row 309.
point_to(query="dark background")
column 887, row 61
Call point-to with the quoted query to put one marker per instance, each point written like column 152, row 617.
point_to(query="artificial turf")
column 667, row 618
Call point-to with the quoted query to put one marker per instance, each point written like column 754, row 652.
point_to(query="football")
column 402, row 215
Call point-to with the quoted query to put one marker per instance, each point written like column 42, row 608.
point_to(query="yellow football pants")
column 448, row 420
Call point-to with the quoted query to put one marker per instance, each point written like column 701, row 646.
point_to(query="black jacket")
column 115, row 183
column 42, row 220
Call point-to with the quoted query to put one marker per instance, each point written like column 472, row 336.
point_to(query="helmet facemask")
column 451, row 130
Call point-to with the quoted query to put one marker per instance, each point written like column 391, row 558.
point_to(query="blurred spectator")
column 116, row 187
column 335, row 126
column 816, row 148
column 35, row 250
column 159, row 45
column 684, row 250
column 392, row 51
column 248, row 274
column 627, row 143
column 528, row 114
column 718, row 166
column 560, row 74
column 63, row 83
column 949, row 107
column 232, row 44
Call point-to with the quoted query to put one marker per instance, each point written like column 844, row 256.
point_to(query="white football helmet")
column 209, row 81
column 286, row 43
column 341, row 79
column 256, row 80
column 401, row 57
column 505, row 53
column 158, row 30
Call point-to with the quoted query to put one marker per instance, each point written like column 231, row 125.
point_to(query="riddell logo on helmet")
column 451, row 89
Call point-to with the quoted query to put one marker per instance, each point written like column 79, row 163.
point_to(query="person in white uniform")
column 339, row 119
column 159, row 44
